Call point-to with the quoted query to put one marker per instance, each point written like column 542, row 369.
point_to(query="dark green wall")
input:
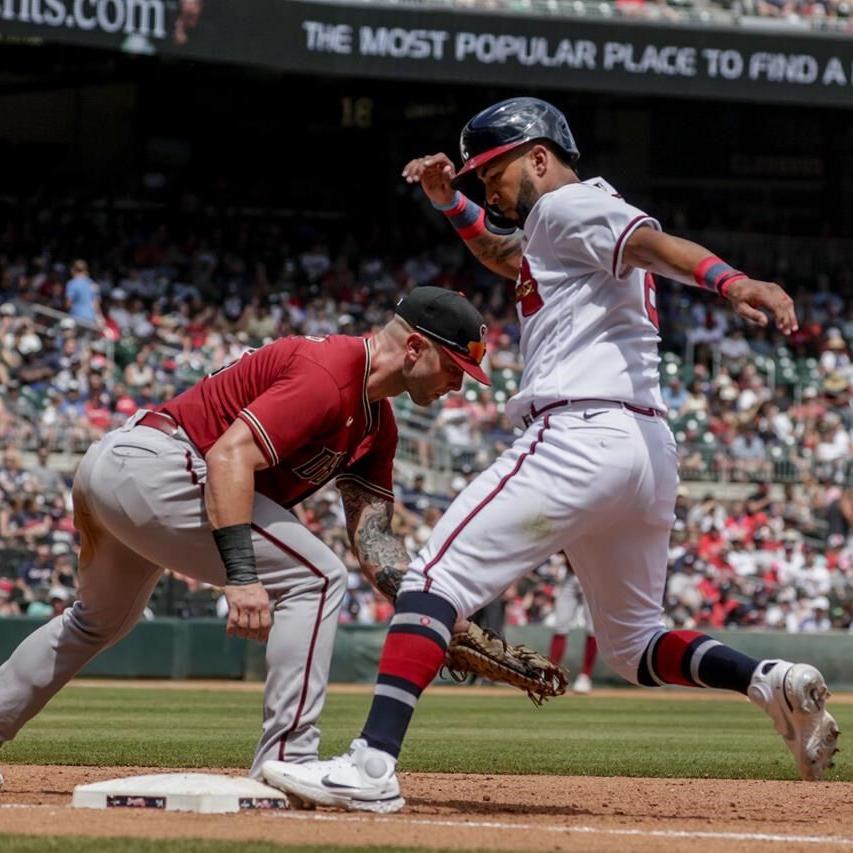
column 199, row 648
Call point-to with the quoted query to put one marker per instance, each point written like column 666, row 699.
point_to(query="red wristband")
column 476, row 228
column 713, row 273
column 468, row 218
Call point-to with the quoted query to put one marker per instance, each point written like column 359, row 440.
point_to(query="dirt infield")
column 468, row 811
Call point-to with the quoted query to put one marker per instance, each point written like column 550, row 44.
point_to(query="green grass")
column 72, row 844
column 463, row 732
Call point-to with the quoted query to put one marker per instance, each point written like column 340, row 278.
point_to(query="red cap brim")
column 484, row 157
column 468, row 365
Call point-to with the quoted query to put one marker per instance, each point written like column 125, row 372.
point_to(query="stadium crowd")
column 814, row 12
column 819, row 14
column 82, row 348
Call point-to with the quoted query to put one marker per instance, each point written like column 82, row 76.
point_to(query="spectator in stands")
column 14, row 480
column 776, row 8
column 59, row 599
column 118, row 313
column 454, row 427
column 753, row 391
column 139, row 372
column 73, row 406
column 505, row 356
column 27, row 342
column 185, row 308
column 735, row 347
column 99, row 404
column 421, row 269
column 19, row 405
column 749, row 453
column 696, row 399
column 123, row 404
column 39, row 606
column 415, row 497
column 257, row 322
column 816, row 616
column 8, row 323
column 674, row 395
column 840, row 516
column 835, row 355
column 8, row 604
column 315, row 262
column 833, row 447
column 709, row 324
column 47, row 480
column 139, row 325
column 82, row 297
column 38, row 570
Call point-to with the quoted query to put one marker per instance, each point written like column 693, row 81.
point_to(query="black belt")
column 535, row 413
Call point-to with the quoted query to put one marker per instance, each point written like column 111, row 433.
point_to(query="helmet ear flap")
column 496, row 222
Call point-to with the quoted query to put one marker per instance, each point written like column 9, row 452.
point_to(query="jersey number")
column 651, row 299
column 527, row 291
column 320, row 467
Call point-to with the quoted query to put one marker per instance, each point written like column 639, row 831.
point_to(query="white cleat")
column 362, row 780
column 583, row 684
column 794, row 696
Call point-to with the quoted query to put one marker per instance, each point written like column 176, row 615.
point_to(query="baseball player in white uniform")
column 594, row 472
column 572, row 611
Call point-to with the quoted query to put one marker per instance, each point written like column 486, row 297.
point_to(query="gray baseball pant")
column 139, row 507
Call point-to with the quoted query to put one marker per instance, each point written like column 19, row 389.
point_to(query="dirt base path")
column 491, row 812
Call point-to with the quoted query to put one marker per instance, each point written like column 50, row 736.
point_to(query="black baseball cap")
column 449, row 319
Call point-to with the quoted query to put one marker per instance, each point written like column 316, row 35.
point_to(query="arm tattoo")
column 388, row 582
column 379, row 551
column 497, row 249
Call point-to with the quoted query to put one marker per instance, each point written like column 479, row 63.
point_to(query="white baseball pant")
column 592, row 479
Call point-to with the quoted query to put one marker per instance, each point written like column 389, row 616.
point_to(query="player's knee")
column 336, row 574
column 99, row 629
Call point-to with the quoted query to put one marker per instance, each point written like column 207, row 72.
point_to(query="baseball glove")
column 488, row 655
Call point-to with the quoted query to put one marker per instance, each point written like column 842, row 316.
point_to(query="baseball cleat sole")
column 794, row 696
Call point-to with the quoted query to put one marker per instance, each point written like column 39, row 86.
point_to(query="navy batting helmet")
column 509, row 124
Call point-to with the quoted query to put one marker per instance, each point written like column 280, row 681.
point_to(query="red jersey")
column 305, row 401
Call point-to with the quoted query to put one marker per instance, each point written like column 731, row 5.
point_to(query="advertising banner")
column 439, row 45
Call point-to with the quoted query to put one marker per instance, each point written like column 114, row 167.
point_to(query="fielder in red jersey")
column 205, row 486
column 305, row 403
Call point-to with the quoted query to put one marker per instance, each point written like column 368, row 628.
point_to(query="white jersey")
column 588, row 323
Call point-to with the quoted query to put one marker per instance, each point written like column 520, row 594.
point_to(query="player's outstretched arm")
column 501, row 253
column 692, row 264
column 228, row 498
column 382, row 556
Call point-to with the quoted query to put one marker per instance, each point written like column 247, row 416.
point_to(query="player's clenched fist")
column 750, row 298
column 248, row 612
column 434, row 173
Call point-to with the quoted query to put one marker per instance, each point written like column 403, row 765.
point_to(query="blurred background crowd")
column 816, row 13
column 84, row 342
